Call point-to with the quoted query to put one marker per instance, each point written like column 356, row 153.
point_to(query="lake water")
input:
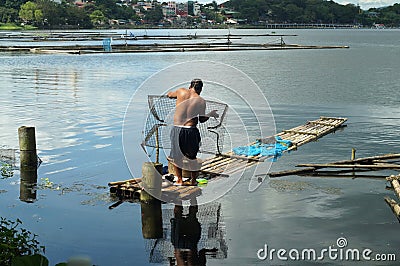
column 77, row 104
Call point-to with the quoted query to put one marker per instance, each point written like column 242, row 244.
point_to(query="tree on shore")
column 98, row 18
column 30, row 13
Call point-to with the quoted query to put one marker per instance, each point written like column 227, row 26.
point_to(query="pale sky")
column 364, row 4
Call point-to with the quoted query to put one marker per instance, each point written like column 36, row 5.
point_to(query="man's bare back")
column 189, row 107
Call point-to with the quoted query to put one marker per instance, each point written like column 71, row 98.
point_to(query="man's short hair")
column 197, row 85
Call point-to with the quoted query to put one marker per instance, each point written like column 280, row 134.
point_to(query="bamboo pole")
column 394, row 206
column 291, row 172
column 332, row 165
column 394, row 180
column 131, row 181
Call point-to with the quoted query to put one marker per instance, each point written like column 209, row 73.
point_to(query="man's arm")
column 204, row 118
column 172, row 94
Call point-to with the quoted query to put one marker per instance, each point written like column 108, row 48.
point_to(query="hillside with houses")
column 75, row 14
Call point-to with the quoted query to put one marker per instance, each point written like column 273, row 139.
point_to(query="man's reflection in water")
column 185, row 236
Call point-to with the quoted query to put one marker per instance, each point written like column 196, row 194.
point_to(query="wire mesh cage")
column 159, row 123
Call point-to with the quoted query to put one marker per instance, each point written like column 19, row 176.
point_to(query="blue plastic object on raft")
column 262, row 149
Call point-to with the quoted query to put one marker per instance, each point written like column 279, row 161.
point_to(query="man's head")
column 197, row 85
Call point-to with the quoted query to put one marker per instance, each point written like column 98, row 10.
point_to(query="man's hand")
column 213, row 113
column 172, row 94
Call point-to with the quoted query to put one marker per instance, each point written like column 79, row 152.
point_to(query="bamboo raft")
column 229, row 163
column 225, row 164
column 130, row 190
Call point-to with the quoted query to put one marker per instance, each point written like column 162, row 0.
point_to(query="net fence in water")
column 160, row 122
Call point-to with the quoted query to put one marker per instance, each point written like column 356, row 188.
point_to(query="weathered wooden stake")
column 151, row 181
column 152, row 226
column 28, row 163
column 27, row 146
column 353, row 154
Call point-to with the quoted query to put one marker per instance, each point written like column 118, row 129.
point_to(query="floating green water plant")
column 6, row 170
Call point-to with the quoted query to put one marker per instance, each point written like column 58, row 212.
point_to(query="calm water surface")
column 77, row 105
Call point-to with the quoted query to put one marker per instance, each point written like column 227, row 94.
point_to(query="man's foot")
column 190, row 183
column 179, row 182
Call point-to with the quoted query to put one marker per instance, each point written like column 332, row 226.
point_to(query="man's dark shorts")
column 185, row 141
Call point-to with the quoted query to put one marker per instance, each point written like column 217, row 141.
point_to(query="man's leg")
column 178, row 173
column 193, row 177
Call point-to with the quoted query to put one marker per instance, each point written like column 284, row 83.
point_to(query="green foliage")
column 8, row 15
column 30, row 13
column 98, row 18
column 30, row 260
column 16, row 242
column 294, row 11
column 154, row 15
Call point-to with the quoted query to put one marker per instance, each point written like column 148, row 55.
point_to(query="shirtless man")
column 185, row 136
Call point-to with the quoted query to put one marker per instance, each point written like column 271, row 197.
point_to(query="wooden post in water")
column 151, row 181
column 353, row 154
column 28, row 163
column 27, row 146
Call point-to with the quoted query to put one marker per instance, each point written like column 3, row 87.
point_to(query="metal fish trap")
column 159, row 123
